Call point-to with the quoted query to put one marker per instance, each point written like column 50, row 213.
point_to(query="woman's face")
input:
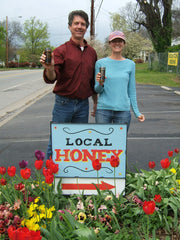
column 117, row 45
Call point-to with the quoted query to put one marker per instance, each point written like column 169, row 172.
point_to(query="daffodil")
column 173, row 170
column 42, row 208
column 49, row 213
column 36, row 200
column 33, row 207
column 178, row 181
column 172, row 190
column 31, row 224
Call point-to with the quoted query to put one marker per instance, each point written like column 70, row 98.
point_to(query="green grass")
column 146, row 76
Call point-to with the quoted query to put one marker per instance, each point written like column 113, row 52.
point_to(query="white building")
column 175, row 41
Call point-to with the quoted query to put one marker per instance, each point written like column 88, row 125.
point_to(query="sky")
column 55, row 14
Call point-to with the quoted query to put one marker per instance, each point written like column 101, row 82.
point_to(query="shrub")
column 139, row 60
column 33, row 65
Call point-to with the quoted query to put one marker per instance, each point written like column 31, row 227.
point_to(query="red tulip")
column 170, row 153
column 11, row 171
column 96, row 164
column 157, row 198
column 149, row 207
column 25, row 173
column 46, row 172
column 38, row 164
column 2, row 170
column 49, row 162
column 23, row 233
column 114, row 161
column 49, row 179
column 176, row 150
column 165, row 163
column 3, row 182
column 152, row 164
column 11, row 230
column 54, row 167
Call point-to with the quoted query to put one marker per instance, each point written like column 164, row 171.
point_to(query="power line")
column 99, row 9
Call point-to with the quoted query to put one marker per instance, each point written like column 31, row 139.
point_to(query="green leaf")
column 167, row 224
column 46, row 233
column 174, row 208
column 58, row 188
column 69, row 219
column 57, row 235
column 87, row 233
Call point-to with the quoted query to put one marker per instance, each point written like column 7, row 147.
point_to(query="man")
column 72, row 68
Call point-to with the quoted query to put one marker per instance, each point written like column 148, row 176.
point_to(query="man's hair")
column 78, row 13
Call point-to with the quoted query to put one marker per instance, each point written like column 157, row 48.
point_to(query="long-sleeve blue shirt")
column 119, row 90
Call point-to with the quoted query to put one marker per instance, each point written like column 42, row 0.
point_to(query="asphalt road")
column 18, row 89
column 28, row 130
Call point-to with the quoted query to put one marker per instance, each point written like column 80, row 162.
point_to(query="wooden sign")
column 74, row 148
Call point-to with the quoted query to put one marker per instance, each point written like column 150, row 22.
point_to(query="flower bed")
column 31, row 208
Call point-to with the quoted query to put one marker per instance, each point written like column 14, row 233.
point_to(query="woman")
column 118, row 92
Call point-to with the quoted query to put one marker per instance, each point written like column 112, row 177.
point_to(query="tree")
column 36, row 38
column 135, row 43
column 176, row 18
column 99, row 47
column 119, row 21
column 155, row 16
column 176, row 22
column 14, row 37
column 2, row 43
column 136, row 46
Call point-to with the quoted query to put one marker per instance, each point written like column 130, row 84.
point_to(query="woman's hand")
column 98, row 79
column 141, row 118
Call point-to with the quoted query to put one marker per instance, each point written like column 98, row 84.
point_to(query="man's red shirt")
column 74, row 70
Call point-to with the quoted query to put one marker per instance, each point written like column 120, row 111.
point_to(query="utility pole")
column 7, row 42
column 92, row 25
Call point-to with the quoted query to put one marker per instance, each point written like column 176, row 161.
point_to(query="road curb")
column 166, row 88
column 177, row 92
column 170, row 89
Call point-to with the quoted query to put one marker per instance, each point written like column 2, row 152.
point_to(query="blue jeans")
column 109, row 116
column 68, row 110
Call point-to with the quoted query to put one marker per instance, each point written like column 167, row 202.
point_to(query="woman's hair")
column 78, row 13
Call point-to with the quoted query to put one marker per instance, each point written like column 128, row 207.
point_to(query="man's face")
column 78, row 28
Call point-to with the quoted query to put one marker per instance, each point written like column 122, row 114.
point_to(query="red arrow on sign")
column 86, row 186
